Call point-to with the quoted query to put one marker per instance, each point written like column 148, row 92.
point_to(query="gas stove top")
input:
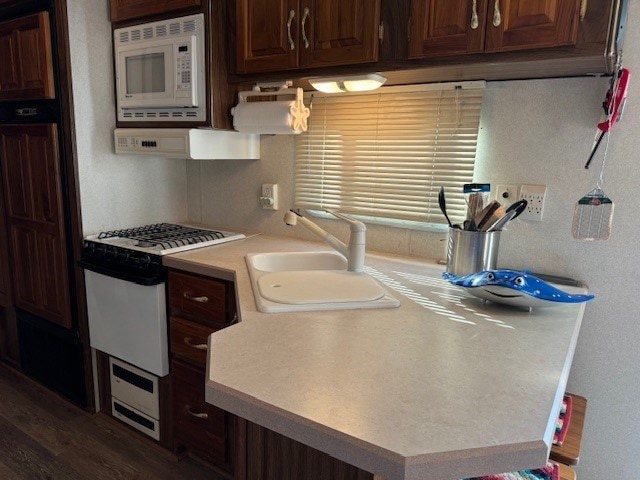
column 164, row 238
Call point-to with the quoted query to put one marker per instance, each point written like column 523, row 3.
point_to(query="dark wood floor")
column 44, row 437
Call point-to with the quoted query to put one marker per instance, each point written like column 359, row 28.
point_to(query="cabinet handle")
column 497, row 18
column 474, row 15
column 201, row 299
column 305, row 15
column 197, row 415
column 199, row 346
column 292, row 44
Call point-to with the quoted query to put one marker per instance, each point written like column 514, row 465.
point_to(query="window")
column 385, row 154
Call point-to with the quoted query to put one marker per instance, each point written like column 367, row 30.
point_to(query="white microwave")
column 160, row 70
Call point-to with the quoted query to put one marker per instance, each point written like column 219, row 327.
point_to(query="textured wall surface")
column 116, row 191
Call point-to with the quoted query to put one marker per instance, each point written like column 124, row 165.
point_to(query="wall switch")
column 506, row 194
column 269, row 196
column 534, row 195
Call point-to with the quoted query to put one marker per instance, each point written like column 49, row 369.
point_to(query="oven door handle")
column 145, row 280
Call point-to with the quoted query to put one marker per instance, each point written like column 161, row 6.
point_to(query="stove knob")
column 113, row 253
column 145, row 260
column 123, row 256
column 101, row 249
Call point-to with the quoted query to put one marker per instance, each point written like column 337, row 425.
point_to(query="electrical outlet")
column 534, row 195
column 269, row 196
column 506, row 194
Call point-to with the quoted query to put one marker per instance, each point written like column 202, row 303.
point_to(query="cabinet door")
column 446, row 27
column 267, row 35
column 33, row 203
column 197, row 424
column 338, row 32
column 523, row 24
column 127, row 9
column 5, row 279
column 26, row 69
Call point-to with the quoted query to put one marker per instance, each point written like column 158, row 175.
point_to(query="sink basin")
column 296, row 261
column 312, row 281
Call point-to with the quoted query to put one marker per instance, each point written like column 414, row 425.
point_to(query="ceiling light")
column 352, row 83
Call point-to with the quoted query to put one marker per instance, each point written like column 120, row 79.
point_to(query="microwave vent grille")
column 147, row 33
column 174, row 29
column 189, row 25
column 134, row 36
column 161, row 31
column 124, row 37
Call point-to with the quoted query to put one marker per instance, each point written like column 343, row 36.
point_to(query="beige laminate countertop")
column 443, row 387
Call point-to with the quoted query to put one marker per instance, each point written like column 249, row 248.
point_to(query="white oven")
column 160, row 70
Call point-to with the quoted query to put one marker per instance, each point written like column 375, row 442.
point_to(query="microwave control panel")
column 184, row 69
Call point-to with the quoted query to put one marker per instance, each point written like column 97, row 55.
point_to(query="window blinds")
column 387, row 153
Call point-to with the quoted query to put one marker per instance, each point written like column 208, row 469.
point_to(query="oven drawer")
column 198, row 297
column 189, row 340
column 196, row 424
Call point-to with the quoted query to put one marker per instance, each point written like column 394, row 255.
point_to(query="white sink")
column 312, row 281
column 296, row 261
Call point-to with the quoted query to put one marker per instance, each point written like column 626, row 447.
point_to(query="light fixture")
column 351, row 83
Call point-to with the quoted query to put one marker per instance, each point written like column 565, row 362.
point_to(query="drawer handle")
column 199, row 346
column 474, row 15
column 497, row 17
column 204, row 416
column 305, row 15
column 201, row 299
column 292, row 44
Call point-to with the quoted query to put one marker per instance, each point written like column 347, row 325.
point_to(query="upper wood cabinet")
column 129, row 9
column 453, row 27
column 26, row 69
column 290, row 34
column 33, row 203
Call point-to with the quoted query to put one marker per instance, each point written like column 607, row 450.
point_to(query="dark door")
column 33, row 202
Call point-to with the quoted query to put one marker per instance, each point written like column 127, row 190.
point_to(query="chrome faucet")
column 354, row 252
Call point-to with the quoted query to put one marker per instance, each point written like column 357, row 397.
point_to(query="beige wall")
column 116, row 191
column 538, row 132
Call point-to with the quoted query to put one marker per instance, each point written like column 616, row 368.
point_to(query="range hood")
column 191, row 143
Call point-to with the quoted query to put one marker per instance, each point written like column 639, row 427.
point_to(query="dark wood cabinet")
column 455, row 27
column 291, row 34
column 26, row 69
column 5, row 279
column 35, row 222
column 129, row 9
column 271, row 456
column 198, row 306
column 523, row 24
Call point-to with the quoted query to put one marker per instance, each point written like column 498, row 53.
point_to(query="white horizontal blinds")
column 387, row 153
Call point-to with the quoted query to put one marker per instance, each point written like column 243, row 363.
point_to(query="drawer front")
column 189, row 340
column 198, row 297
column 198, row 425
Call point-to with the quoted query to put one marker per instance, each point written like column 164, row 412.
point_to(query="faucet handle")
column 355, row 225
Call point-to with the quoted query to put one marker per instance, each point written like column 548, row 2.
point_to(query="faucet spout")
column 354, row 252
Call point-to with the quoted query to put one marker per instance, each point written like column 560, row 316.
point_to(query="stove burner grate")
column 164, row 235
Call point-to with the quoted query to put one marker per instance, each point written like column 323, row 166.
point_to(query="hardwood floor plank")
column 42, row 436
column 28, row 458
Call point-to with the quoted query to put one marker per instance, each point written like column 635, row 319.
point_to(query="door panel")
column 338, row 32
column 29, row 74
column 33, row 201
column 529, row 24
column 446, row 27
column 264, row 41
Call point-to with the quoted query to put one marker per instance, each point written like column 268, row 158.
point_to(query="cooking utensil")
column 518, row 207
column 443, row 206
column 502, row 221
column 488, row 215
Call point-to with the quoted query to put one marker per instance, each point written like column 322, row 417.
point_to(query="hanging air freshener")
column 593, row 214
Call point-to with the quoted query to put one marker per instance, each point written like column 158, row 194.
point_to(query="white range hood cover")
column 192, row 143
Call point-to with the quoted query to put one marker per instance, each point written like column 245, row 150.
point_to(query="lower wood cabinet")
column 197, row 425
column 271, row 456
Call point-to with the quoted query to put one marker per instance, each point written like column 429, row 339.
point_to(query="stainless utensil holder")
column 470, row 252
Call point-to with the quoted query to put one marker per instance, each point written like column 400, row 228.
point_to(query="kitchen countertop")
column 443, row 387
